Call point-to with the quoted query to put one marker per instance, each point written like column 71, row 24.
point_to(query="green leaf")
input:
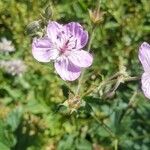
column 6, row 136
column 65, row 90
column 66, row 143
column 14, row 118
column 83, row 144
column 3, row 147
column 36, row 107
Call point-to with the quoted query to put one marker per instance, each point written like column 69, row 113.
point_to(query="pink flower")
column 63, row 44
column 144, row 57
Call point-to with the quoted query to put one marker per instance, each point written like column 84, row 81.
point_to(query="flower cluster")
column 144, row 57
column 13, row 67
column 63, row 44
column 6, row 46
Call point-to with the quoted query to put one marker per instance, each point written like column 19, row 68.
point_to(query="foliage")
column 32, row 116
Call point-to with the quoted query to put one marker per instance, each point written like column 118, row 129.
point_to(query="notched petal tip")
column 77, row 31
column 144, row 56
column 41, row 49
column 53, row 28
column 145, row 80
column 145, row 45
column 74, row 24
column 81, row 58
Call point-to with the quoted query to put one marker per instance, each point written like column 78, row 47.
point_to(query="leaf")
column 83, row 144
column 36, row 107
column 14, row 118
column 3, row 147
column 66, row 143
column 65, row 90
column 7, row 139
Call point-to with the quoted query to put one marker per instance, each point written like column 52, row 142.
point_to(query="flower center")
column 64, row 47
column 66, row 42
column 67, row 45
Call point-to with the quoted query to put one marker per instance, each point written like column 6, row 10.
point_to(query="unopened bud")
column 33, row 27
column 73, row 103
column 96, row 15
column 48, row 13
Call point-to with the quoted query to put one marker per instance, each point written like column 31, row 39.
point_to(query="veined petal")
column 43, row 50
column 53, row 29
column 146, row 84
column 81, row 58
column 66, row 69
column 77, row 31
column 144, row 56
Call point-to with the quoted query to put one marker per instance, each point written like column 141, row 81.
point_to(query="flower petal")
column 66, row 69
column 43, row 50
column 81, row 36
column 144, row 56
column 81, row 58
column 146, row 84
column 53, row 29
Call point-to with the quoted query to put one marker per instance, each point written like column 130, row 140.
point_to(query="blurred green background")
column 31, row 93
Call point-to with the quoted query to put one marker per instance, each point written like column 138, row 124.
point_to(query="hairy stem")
column 116, row 144
column 107, row 129
column 131, row 101
column 111, row 80
column 104, row 125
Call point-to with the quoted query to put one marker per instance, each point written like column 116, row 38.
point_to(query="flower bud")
column 73, row 103
column 96, row 16
column 33, row 27
column 48, row 13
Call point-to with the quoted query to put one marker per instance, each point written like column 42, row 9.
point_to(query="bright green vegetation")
column 31, row 117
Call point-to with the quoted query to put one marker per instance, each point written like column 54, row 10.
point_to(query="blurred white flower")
column 13, row 67
column 6, row 46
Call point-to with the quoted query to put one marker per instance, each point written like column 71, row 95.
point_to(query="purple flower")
column 144, row 57
column 63, row 44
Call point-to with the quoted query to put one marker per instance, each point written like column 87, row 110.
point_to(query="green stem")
column 111, row 80
column 104, row 126
column 103, row 83
column 131, row 79
column 83, row 72
column 91, row 39
column 140, row 137
column 107, row 129
column 116, row 144
column 114, row 76
column 131, row 101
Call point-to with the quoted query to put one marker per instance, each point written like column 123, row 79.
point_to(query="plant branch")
column 131, row 101
column 104, row 126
